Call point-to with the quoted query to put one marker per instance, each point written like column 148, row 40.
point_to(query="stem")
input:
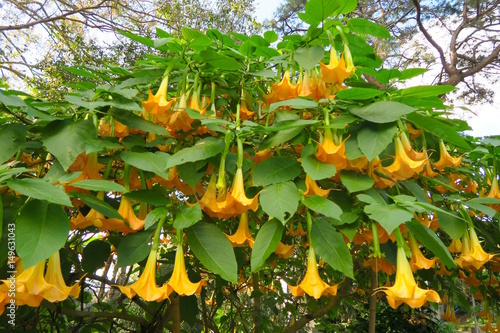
column 373, row 304
column 126, row 176
column 176, row 313
column 156, row 239
column 257, row 322
column 376, row 242
column 239, row 161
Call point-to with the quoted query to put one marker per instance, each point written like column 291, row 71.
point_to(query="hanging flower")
column 209, row 203
column 59, row 291
column 418, row 260
column 312, row 283
column 179, row 281
column 282, row 91
column 473, row 256
column 242, row 234
column 445, row 159
column 380, row 264
column 337, row 70
column 494, row 193
column 332, row 153
column 158, row 104
column 283, row 250
column 414, row 155
column 405, row 289
column 119, row 130
column 455, row 246
column 89, row 167
column 236, row 200
column 30, row 284
column 449, row 315
column 127, row 212
column 403, row 166
column 313, row 189
column 146, row 286
column 298, row 232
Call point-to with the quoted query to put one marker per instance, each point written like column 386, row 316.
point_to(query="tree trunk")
column 373, row 304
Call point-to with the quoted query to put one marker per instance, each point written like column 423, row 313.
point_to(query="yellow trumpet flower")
column 146, row 286
column 59, row 291
column 298, row 232
column 242, row 234
column 445, row 159
column 31, row 284
column 331, row 153
column 312, row 283
column 179, row 281
column 283, row 250
column 337, row 70
column 418, row 260
column 282, row 91
column 127, row 212
column 405, row 289
column 313, row 189
column 403, row 166
column 473, row 256
column 157, row 104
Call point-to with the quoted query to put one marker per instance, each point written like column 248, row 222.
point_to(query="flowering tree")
column 243, row 183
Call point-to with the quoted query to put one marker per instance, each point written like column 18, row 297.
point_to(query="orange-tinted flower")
column 209, row 202
column 405, row 289
column 298, row 232
column 305, row 87
column 487, row 327
column 283, row 250
column 179, row 281
column 470, row 280
column 30, row 284
column 418, row 260
column 89, row 168
column 262, row 155
column 337, row 71
column 455, row 246
column 332, row 153
column 449, row 315
column 445, row 159
column 313, row 189
column 245, row 112
column 359, row 164
column 157, row 104
column 494, row 193
column 127, row 212
column 414, row 155
column 282, row 91
column 414, row 133
column 312, row 284
column 380, row 264
column 59, row 291
column 381, row 177
column 236, row 200
column 242, row 234
column 425, row 220
column 146, row 286
column 119, row 130
column 4, row 296
column 403, row 166
column 473, row 256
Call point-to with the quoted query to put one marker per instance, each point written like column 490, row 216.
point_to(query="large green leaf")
column 133, row 248
column 279, row 138
column 202, row 150
column 99, row 205
column 373, row 139
column 316, row 169
column 132, row 120
column 359, row 93
column 12, row 136
column 427, row 91
column 295, row 103
column 429, row 239
column 153, row 216
column 308, row 57
column 219, row 60
column 280, row 200
column 330, row 246
column 276, row 170
column 94, row 255
column 363, row 26
column 266, row 241
column 388, row 216
column 213, row 249
column 355, row 181
column 439, row 128
column 319, row 10
column 99, row 185
column 383, row 111
column 188, row 216
column 323, row 206
column 157, row 195
column 66, row 139
column 147, row 161
column 454, row 226
column 41, row 229
column 39, row 189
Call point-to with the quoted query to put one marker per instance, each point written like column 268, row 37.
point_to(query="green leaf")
column 188, row 216
column 40, row 189
column 319, row 10
column 481, row 208
column 323, row 206
column 439, row 128
column 383, row 111
column 309, row 57
column 99, row 185
column 280, row 200
column 329, row 244
column 94, row 255
column 147, row 161
column 452, row 224
column 133, row 248
column 219, row 60
column 12, row 136
column 132, row 120
column 276, row 170
column 203, row 149
column 355, row 181
column 266, row 241
column 359, row 93
column 280, row 137
column 213, row 249
column 154, row 216
column 373, row 139
column 192, row 173
column 12, row 100
column 363, row 26
column 98, row 145
column 429, row 239
column 66, row 139
column 99, row 205
column 388, row 216
column 427, row 91
column 143, row 40
column 157, row 196
column 41, row 230
column 411, row 72
column 295, row 103
column 316, row 169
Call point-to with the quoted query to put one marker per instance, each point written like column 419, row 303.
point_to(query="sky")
column 264, row 9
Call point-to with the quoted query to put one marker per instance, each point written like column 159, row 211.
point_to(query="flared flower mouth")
column 242, row 234
column 331, row 153
column 337, row 70
column 179, row 281
column 59, row 291
column 445, row 159
column 473, row 256
column 403, row 166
